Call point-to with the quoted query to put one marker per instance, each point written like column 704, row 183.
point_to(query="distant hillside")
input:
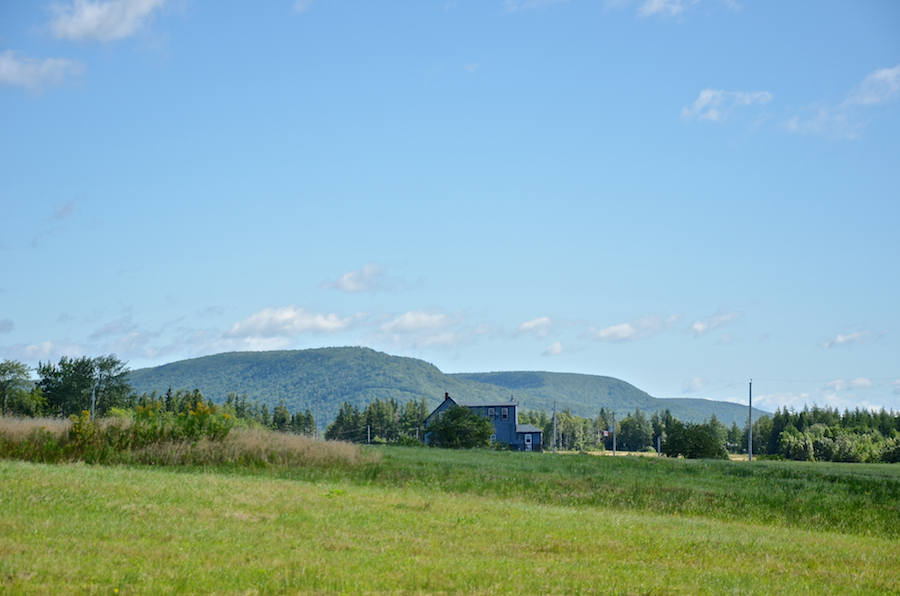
column 586, row 394
column 360, row 375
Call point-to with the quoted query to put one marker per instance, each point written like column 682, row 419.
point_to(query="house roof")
column 491, row 404
column 527, row 428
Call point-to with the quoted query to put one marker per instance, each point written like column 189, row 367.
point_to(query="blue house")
column 505, row 418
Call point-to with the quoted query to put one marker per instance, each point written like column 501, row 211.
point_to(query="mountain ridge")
column 332, row 376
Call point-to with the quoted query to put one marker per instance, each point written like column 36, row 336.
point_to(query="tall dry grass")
column 50, row 440
column 254, row 448
column 20, row 429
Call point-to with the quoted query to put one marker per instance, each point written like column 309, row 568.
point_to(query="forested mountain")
column 360, row 375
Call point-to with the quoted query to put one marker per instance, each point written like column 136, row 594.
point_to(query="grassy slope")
column 430, row 521
column 359, row 375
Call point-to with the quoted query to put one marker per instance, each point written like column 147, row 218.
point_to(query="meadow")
column 395, row 520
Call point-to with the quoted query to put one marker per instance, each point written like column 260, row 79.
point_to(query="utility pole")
column 750, row 424
column 554, row 427
column 614, row 432
column 317, row 411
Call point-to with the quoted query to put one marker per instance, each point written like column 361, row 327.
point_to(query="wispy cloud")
column 120, row 326
column 827, row 122
column 427, row 329
column 517, row 5
column 540, row 327
column 716, row 105
column 48, row 350
column 471, row 68
column 665, row 8
column 721, row 317
column 846, row 121
column 693, row 385
column 881, row 86
column 6, row 326
column 857, row 337
column 87, row 20
column 36, row 75
column 844, row 385
column 288, row 321
column 63, row 210
column 554, row 349
column 371, row 278
column 640, row 328
column 302, row 5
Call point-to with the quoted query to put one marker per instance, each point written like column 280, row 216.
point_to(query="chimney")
column 446, row 395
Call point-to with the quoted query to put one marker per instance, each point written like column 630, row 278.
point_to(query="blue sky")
column 684, row 194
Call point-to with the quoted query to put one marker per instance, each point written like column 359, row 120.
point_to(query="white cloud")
column 427, row 329
column 416, row 320
column 554, row 349
column 715, row 104
column 471, row 68
column 857, row 337
column 827, row 122
column 646, row 326
column 34, row 74
column 881, row 86
column 845, row 121
column 302, row 5
column 371, row 278
column 288, row 321
column 517, row 5
column 721, row 317
column 48, row 350
column 86, row 20
column 896, row 386
column 842, row 385
column 666, row 8
column 693, row 385
column 725, row 339
column 540, row 327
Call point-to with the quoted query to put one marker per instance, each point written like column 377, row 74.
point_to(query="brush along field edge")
column 77, row 529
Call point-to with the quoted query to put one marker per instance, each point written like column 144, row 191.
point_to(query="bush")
column 461, row 428
column 693, row 441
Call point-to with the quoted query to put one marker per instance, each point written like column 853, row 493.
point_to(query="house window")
column 504, row 413
column 490, row 412
column 494, row 438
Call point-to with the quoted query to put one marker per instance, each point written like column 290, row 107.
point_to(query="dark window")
column 504, row 413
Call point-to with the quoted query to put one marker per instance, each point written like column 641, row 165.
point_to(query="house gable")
column 505, row 418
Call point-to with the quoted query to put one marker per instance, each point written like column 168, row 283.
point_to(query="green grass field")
column 424, row 521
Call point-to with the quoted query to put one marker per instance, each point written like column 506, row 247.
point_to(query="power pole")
column 614, row 432
column 750, row 424
column 554, row 427
column 317, row 411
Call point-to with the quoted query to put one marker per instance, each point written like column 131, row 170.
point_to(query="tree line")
column 100, row 387
column 811, row 434
column 385, row 421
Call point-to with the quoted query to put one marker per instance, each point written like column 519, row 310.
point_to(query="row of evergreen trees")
column 812, row 434
column 249, row 412
column 380, row 421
